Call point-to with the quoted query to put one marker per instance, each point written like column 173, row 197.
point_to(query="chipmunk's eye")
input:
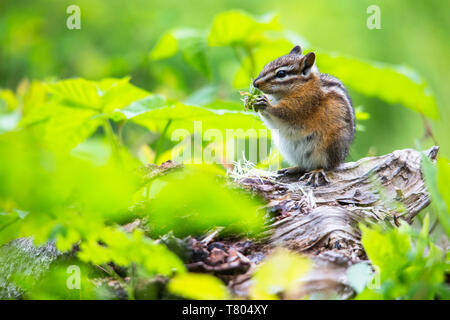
column 281, row 74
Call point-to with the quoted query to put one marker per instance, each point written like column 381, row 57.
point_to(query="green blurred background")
column 116, row 37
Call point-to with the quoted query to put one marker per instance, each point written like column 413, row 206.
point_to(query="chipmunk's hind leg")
column 315, row 178
column 291, row 171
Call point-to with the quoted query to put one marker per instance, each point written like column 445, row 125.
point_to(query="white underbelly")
column 294, row 146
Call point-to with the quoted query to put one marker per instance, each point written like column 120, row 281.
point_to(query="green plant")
column 69, row 160
column 408, row 264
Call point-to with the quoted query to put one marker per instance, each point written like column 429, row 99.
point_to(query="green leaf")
column 60, row 127
column 76, row 93
column 443, row 165
column 76, row 108
column 101, row 96
column 358, row 276
column 166, row 47
column 202, row 96
column 191, row 201
column 36, row 95
column 436, row 178
column 218, row 115
column 8, row 100
column 190, row 42
column 388, row 251
column 68, row 128
column 233, row 28
column 119, row 95
column 55, row 284
column 406, row 270
column 67, row 191
column 141, row 106
column 198, row 286
column 390, row 83
column 280, row 274
column 124, row 249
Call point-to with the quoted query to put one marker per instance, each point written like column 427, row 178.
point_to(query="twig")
column 428, row 130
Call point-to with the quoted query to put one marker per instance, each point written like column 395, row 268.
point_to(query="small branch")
column 428, row 130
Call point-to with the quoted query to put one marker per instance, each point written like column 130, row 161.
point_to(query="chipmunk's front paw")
column 262, row 102
column 315, row 178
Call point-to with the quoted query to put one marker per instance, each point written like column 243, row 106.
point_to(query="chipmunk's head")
column 287, row 73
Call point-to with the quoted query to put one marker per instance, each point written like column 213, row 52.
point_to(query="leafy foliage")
column 377, row 79
column 279, row 276
column 70, row 150
column 409, row 265
column 436, row 178
column 183, row 203
column 191, row 43
column 237, row 28
column 198, row 286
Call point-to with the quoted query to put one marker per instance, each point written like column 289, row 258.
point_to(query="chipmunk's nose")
column 256, row 82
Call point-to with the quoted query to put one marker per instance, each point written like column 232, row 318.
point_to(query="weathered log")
column 322, row 222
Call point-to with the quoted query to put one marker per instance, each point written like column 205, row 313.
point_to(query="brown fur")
column 304, row 103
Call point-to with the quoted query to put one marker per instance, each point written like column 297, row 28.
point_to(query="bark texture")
column 322, row 222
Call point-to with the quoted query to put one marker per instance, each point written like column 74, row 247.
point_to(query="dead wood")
column 322, row 222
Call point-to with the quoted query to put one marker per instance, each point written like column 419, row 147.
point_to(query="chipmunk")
column 310, row 115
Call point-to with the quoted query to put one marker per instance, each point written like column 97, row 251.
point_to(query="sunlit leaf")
column 120, row 95
column 141, row 106
column 217, row 115
column 8, row 100
column 77, row 107
column 383, row 248
column 280, row 275
column 68, row 128
column 67, row 192
column 166, row 47
column 77, row 93
column 393, row 84
column 405, row 269
column 124, row 249
column 192, row 201
column 436, row 178
column 190, row 42
column 202, row 96
column 358, row 276
column 239, row 28
column 198, row 286
column 68, row 280
column 443, row 165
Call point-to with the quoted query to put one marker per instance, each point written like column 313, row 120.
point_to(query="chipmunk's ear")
column 296, row 50
column 308, row 63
